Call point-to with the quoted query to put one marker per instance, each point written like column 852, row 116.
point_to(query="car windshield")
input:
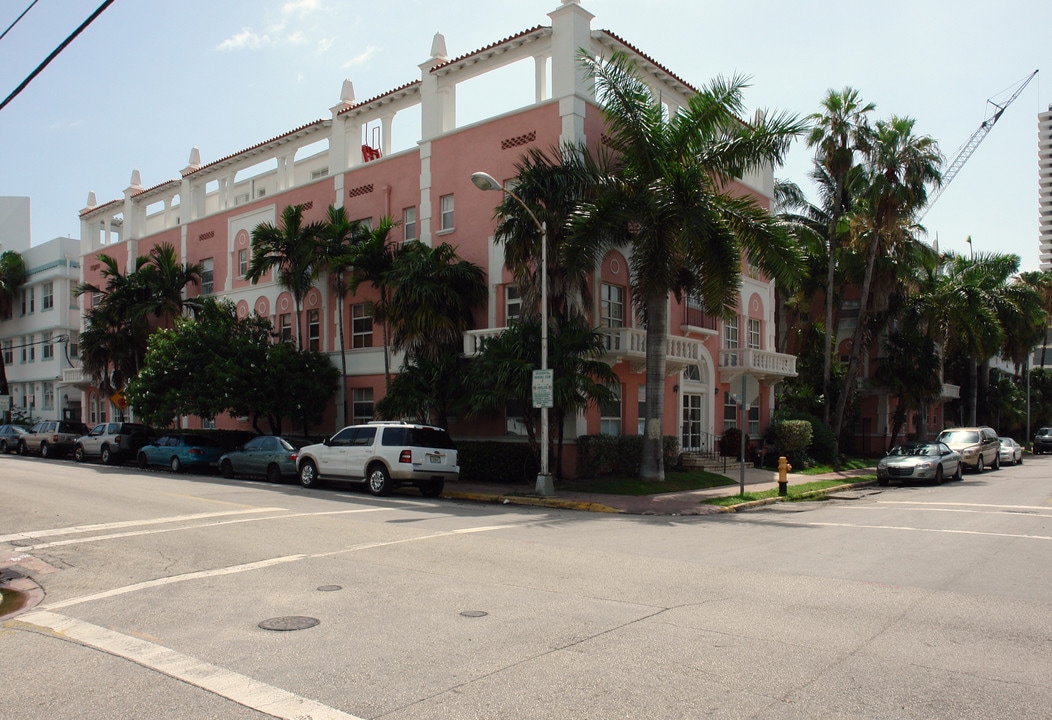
column 1007, row 442
column 1044, row 432
column 959, row 436
column 922, row 449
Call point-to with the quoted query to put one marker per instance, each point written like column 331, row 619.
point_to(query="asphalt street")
column 907, row 602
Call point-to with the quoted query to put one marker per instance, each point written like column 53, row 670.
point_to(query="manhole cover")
column 474, row 613
column 330, row 588
column 290, row 622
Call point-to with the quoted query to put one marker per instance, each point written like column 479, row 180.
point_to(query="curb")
column 534, row 500
column 813, row 494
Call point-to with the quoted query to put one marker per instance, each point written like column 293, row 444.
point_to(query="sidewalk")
column 688, row 502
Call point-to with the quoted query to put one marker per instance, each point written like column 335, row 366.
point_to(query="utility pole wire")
column 54, row 54
column 18, row 18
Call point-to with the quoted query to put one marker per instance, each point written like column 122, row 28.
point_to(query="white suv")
column 383, row 455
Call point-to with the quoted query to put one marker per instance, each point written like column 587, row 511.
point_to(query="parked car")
column 932, row 461
column 113, row 442
column 180, row 451
column 1043, row 441
column 979, row 447
column 9, row 436
column 268, row 456
column 51, row 438
column 383, row 455
column 1011, row 452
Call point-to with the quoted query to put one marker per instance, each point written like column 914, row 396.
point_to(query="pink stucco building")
column 403, row 155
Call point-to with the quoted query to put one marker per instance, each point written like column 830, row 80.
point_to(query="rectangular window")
column 409, row 223
column 9, row 354
column 754, row 420
column 754, row 334
column 515, row 418
column 610, row 412
column 285, row 327
column 365, row 222
column 446, row 203
column 612, row 309
column 314, row 330
column 242, row 262
column 32, row 349
column 730, row 411
column 361, row 327
column 641, row 400
column 32, row 300
column 362, row 405
column 512, row 303
column 49, row 396
column 207, row 273
column 25, row 351
column 47, row 297
column 96, row 298
column 25, row 301
column 730, row 333
column 47, row 349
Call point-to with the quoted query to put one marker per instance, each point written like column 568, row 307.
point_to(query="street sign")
column 5, row 403
column 543, row 395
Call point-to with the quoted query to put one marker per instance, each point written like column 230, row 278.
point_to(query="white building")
column 39, row 339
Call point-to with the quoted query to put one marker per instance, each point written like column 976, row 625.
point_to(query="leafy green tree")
column 12, row 276
column 292, row 248
column 372, row 261
column 900, row 167
column 669, row 201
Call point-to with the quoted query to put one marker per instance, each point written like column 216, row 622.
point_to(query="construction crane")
column 973, row 142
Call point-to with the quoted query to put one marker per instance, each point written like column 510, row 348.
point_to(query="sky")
column 147, row 81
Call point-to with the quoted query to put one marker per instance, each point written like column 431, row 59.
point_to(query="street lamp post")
column 485, row 181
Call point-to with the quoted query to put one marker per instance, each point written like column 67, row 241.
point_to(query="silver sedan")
column 1011, row 452
column 929, row 461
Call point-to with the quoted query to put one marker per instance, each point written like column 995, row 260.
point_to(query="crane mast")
column 973, row 142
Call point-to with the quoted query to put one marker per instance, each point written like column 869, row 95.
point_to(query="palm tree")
column 1042, row 283
column 900, row 166
column 165, row 279
column 339, row 235
column 839, row 133
column 292, row 248
column 372, row 258
column 12, row 275
column 669, row 201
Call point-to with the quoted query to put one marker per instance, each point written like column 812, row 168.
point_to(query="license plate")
column 435, row 458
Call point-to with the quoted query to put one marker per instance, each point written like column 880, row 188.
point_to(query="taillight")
column 196, row 451
column 293, row 456
column 54, row 438
column 406, row 456
column 117, row 439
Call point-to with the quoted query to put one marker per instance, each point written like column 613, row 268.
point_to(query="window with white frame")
column 361, row 405
column 32, row 349
column 49, row 395
column 612, row 307
column 314, row 330
column 641, row 404
column 512, row 303
column 242, row 262
column 446, row 205
column 754, row 420
column 285, row 327
column 730, row 333
column 409, row 224
column 730, row 411
column 9, row 353
column 365, row 222
column 610, row 411
column 25, row 350
column 47, row 296
column 47, row 351
column 754, row 334
column 361, row 326
column 207, row 276
column 515, row 418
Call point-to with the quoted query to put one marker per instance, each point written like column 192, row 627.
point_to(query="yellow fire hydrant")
column 783, row 470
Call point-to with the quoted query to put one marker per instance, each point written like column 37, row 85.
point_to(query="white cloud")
column 362, row 58
column 300, row 6
column 246, row 39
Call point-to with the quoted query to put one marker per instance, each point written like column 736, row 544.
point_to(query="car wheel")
column 1019, row 461
column 45, row 450
column 997, row 461
column 142, row 461
column 22, row 449
column 979, row 466
column 273, row 473
column 309, row 474
column 78, row 453
column 958, row 475
column 3, row 447
column 432, row 488
column 176, row 465
column 106, row 455
column 883, row 482
column 379, row 481
column 227, row 469
column 938, row 475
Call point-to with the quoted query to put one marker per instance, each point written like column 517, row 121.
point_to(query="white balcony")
column 950, row 392
column 764, row 365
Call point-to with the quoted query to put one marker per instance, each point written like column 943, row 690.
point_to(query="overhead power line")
column 54, row 54
column 18, row 18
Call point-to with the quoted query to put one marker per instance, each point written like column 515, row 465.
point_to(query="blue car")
column 181, row 451
column 268, row 456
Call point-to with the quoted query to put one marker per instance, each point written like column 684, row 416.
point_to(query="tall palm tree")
column 900, row 167
column 12, row 275
column 372, row 259
column 669, row 201
column 292, row 248
column 840, row 132
column 1042, row 284
column 165, row 278
column 339, row 235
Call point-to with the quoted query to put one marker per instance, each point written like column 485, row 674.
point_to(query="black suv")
column 51, row 438
column 1043, row 441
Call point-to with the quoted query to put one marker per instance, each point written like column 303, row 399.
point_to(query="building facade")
column 403, row 155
